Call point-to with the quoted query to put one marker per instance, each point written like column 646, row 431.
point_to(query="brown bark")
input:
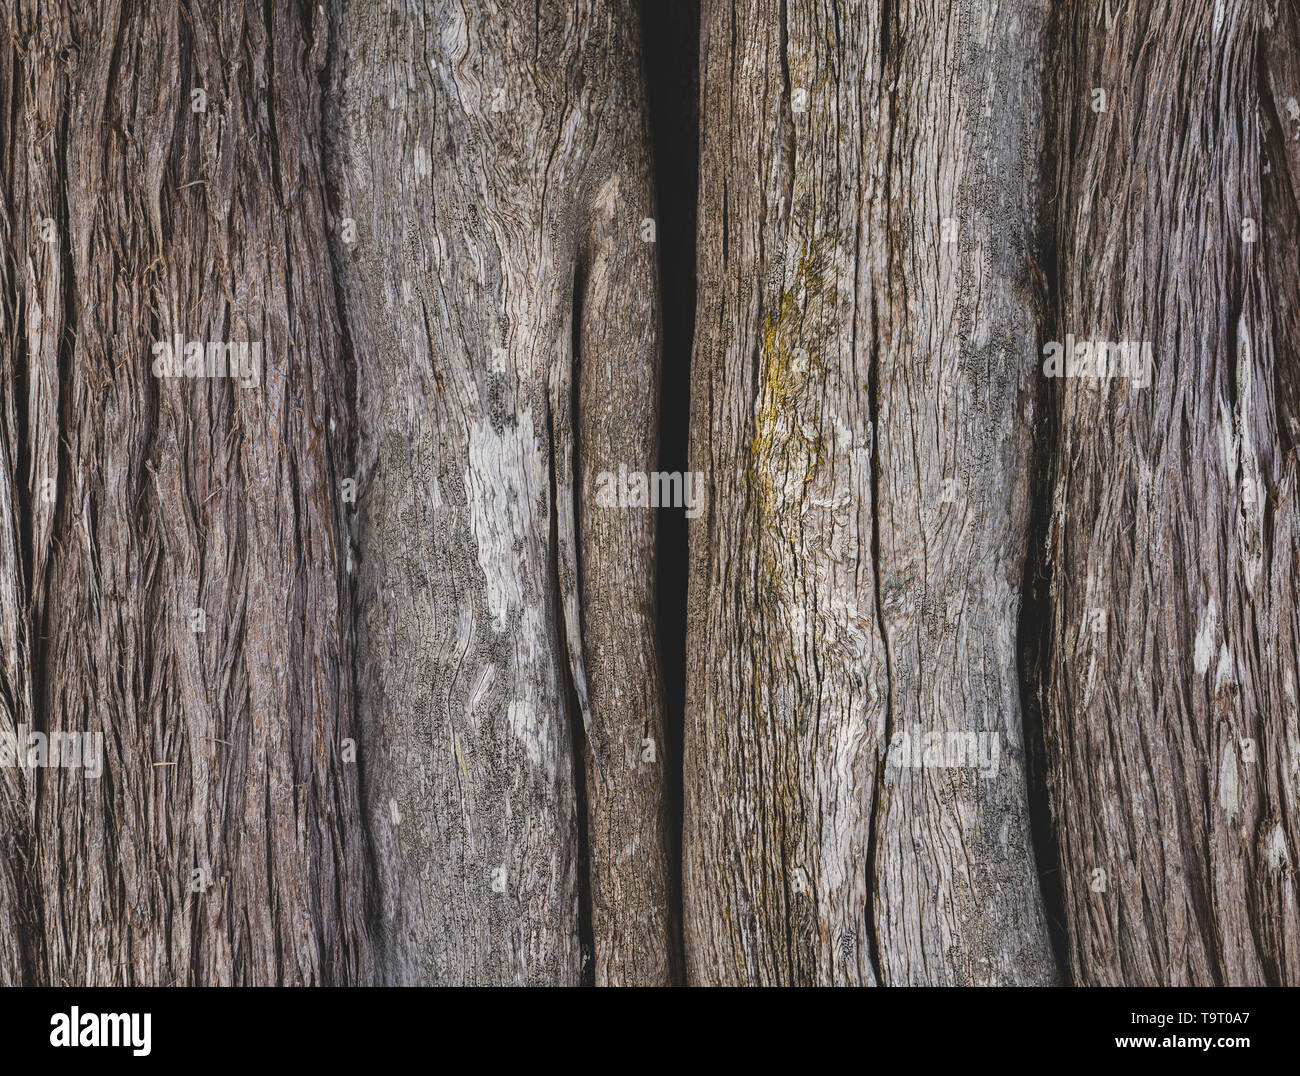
column 497, row 601
column 172, row 498
column 1171, row 707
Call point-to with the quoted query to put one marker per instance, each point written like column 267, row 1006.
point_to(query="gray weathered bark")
column 861, row 410
column 503, row 311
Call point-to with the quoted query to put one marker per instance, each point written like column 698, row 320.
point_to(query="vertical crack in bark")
column 873, row 404
column 1034, row 652
column 565, row 441
column 1033, row 625
column 670, row 36
column 886, row 61
column 329, row 86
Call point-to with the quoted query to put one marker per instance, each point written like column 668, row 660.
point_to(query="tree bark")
column 374, row 658
column 503, row 312
column 173, row 559
column 177, row 559
column 861, row 408
column 1171, row 708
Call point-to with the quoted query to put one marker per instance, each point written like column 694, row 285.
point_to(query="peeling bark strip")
column 502, row 302
column 1171, row 709
column 172, row 550
column 864, row 363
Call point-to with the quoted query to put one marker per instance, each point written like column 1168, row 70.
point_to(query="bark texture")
column 376, row 662
column 222, row 844
column 503, row 309
column 1171, row 699
column 861, row 408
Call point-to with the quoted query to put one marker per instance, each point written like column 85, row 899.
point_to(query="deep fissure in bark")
column 1032, row 630
column 577, row 733
column 1034, row 657
column 873, row 403
column 670, row 32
